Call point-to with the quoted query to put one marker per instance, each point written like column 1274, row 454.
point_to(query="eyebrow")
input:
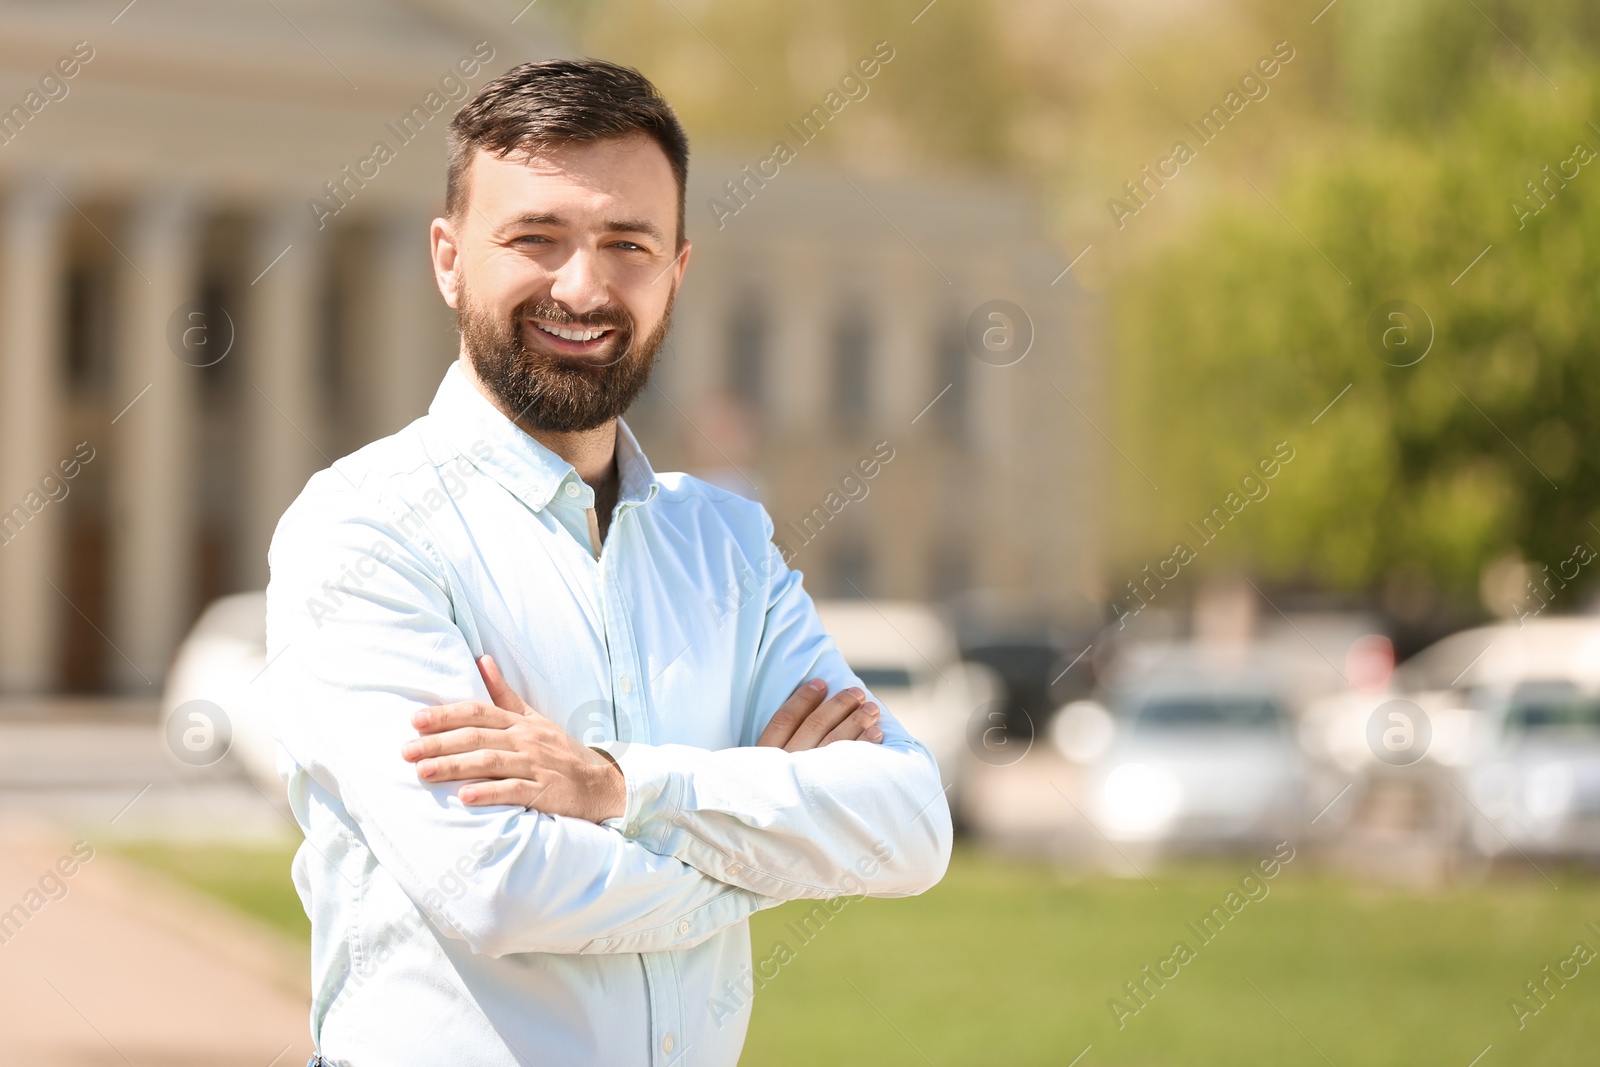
column 540, row 218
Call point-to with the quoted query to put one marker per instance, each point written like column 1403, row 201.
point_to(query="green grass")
column 1007, row 962
column 254, row 880
column 1004, row 963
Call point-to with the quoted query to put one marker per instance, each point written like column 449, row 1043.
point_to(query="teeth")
column 570, row 335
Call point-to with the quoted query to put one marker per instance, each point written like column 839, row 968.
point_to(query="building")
column 834, row 313
column 214, row 281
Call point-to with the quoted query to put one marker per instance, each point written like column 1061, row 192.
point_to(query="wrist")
column 608, row 788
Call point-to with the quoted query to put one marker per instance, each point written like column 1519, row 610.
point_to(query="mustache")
column 608, row 316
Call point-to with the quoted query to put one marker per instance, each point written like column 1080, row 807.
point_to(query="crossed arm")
column 696, row 841
column 511, row 754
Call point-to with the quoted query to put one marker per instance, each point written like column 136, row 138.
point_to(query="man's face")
column 562, row 272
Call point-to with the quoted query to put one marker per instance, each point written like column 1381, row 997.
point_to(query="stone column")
column 31, row 314
column 907, row 325
column 152, row 446
column 990, row 443
column 803, row 315
column 281, row 343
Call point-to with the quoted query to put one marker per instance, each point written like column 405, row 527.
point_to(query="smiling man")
column 555, row 725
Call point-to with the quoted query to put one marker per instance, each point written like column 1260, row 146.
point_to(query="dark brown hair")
column 561, row 101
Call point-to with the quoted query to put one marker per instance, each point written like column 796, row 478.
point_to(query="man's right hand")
column 806, row 720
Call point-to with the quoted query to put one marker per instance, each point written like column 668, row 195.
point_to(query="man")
column 567, row 880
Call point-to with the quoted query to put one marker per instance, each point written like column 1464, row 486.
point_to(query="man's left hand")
column 528, row 759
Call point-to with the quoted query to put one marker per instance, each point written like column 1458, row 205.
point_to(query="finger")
column 832, row 712
column 801, row 703
column 857, row 726
column 453, row 742
column 491, row 763
column 520, row 792
column 466, row 713
column 499, row 692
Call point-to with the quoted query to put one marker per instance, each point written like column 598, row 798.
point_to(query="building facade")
column 214, row 281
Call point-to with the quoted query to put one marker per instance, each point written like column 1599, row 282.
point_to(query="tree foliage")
column 1239, row 330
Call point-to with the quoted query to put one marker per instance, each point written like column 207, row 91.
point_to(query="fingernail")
column 468, row 795
column 872, row 711
column 816, row 684
column 874, row 734
column 410, row 749
column 425, row 770
column 857, row 693
column 420, row 720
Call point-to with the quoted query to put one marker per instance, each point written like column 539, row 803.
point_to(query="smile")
column 578, row 335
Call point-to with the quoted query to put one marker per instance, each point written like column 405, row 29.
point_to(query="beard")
column 549, row 391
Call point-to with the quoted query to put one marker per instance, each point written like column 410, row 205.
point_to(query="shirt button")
column 632, row 831
column 683, row 927
column 625, row 683
column 734, row 868
column 572, row 489
column 666, row 1044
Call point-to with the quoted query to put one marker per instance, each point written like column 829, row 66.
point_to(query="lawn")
column 1008, row 962
column 253, row 880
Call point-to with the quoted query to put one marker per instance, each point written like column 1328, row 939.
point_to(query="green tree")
column 1239, row 332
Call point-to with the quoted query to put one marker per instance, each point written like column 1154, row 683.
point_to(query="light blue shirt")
column 498, row 936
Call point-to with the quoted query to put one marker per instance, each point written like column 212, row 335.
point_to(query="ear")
column 682, row 263
column 446, row 251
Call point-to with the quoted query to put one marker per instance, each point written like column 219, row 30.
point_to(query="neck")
column 592, row 453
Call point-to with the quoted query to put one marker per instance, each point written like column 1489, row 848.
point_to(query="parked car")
column 218, row 662
column 1023, row 668
column 1529, row 749
column 905, row 654
column 1190, row 749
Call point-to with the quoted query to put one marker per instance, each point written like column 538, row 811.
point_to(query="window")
column 952, row 364
column 949, row 569
column 1225, row 711
column 876, row 678
column 88, row 328
column 852, row 371
column 747, row 351
column 852, row 571
column 1554, row 705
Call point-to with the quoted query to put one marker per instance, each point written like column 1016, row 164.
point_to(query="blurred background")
column 1227, row 369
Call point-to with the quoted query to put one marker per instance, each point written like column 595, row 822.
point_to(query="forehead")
column 628, row 176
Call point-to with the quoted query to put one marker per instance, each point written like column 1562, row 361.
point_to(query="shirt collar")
column 527, row 469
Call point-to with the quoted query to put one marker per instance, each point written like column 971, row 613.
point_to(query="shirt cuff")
column 654, row 794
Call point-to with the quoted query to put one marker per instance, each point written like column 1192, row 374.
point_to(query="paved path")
column 113, row 966
column 110, row 968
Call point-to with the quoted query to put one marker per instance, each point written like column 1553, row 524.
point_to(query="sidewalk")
column 112, row 967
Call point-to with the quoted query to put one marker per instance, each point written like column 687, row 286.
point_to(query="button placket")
column 620, row 651
column 661, row 975
column 666, row 1006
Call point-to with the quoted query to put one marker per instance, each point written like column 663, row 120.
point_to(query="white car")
column 1189, row 749
column 1529, row 755
column 215, row 668
column 906, row 656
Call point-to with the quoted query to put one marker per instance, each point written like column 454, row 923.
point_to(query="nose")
column 578, row 284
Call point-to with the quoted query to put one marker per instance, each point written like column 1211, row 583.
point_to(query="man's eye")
column 629, row 246
column 531, row 238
